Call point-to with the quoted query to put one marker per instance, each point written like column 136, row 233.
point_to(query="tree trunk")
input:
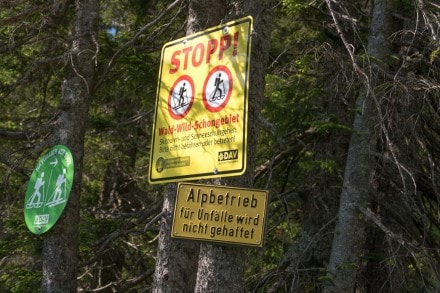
column 60, row 248
column 221, row 268
column 176, row 263
column 312, row 247
column 349, row 232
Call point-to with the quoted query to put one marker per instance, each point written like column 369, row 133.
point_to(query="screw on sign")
column 48, row 189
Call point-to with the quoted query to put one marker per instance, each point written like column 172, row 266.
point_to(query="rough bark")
column 221, row 268
column 204, row 14
column 176, row 263
column 349, row 232
column 60, row 248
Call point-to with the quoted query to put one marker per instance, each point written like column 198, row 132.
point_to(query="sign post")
column 48, row 189
column 200, row 122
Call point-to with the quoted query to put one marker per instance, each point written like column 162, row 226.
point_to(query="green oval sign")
column 48, row 190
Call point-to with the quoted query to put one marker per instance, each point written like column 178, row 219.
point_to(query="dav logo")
column 227, row 155
column 41, row 219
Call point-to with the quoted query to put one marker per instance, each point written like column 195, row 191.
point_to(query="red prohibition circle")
column 176, row 107
column 207, row 96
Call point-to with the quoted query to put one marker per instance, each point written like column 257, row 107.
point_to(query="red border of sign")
column 191, row 83
column 228, row 96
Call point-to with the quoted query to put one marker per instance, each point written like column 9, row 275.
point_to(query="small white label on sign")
column 41, row 219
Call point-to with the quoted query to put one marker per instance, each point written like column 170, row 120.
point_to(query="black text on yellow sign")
column 201, row 115
column 220, row 214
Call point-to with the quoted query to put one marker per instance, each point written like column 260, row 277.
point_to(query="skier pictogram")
column 219, row 92
column 56, row 197
column 36, row 201
column 217, row 88
column 181, row 97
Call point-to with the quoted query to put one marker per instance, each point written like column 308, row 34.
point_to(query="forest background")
column 348, row 142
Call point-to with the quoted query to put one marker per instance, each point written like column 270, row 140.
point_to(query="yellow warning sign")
column 220, row 214
column 200, row 122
